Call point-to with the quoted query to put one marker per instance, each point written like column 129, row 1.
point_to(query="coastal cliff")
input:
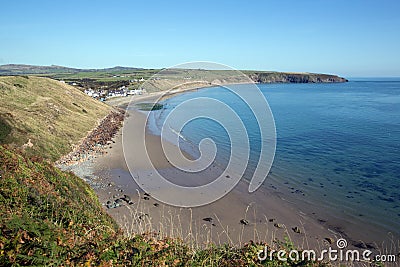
column 281, row 77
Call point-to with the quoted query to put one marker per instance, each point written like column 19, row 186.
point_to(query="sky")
column 352, row 38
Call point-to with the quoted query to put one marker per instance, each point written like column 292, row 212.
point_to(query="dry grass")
column 52, row 115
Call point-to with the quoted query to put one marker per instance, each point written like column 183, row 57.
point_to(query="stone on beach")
column 330, row 240
column 278, row 225
column 244, row 221
column 296, row 230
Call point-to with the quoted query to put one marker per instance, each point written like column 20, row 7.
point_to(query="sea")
column 337, row 147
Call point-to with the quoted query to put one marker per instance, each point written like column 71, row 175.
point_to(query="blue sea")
column 337, row 151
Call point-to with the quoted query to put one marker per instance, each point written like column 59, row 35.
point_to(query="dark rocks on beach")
column 278, row 225
column 271, row 220
column 146, row 194
column 112, row 205
column 208, row 219
column 296, row 230
column 244, row 221
column 146, row 198
column 142, row 216
column 119, row 202
column 156, row 204
column 127, row 199
column 330, row 240
column 96, row 141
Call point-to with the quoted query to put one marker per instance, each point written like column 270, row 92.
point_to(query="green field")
column 96, row 78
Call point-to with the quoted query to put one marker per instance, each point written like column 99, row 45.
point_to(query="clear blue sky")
column 349, row 38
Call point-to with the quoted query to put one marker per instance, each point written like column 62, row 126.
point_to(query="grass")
column 50, row 218
column 52, row 115
column 5, row 130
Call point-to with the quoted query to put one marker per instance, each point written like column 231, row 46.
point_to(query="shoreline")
column 277, row 218
column 274, row 220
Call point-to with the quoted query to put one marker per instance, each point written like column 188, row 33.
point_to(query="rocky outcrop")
column 97, row 140
column 280, row 77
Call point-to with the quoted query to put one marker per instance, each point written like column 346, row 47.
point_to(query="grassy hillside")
column 47, row 216
column 45, row 117
column 92, row 77
column 52, row 218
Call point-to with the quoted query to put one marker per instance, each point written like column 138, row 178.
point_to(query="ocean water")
column 338, row 147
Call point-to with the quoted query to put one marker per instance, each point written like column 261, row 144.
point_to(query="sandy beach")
column 266, row 215
column 236, row 218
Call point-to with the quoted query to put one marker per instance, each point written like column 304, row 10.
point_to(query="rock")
column 127, row 199
column 296, row 230
column 244, row 221
column 207, row 219
column 146, row 198
column 142, row 216
column 146, row 194
column 156, row 204
column 111, row 205
column 271, row 220
column 278, row 225
column 330, row 240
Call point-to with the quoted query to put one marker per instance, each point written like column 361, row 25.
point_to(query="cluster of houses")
column 104, row 94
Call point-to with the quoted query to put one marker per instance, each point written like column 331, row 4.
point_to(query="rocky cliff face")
column 276, row 77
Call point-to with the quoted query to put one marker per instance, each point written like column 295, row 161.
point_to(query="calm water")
column 338, row 146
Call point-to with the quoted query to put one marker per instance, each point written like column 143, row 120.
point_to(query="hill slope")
column 22, row 69
column 127, row 73
column 47, row 216
column 53, row 218
column 45, row 117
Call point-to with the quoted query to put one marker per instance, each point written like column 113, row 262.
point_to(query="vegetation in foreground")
column 50, row 217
